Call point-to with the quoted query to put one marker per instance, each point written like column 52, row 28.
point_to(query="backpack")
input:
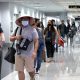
column 71, row 32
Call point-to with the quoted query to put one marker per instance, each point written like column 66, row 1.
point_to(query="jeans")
column 71, row 41
column 63, row 35
column 0, row 62
column 67, row 39
column 38, row 59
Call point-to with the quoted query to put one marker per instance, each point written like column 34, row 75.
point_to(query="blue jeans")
column 63, row 35
column 38, row 59
column 56, row 49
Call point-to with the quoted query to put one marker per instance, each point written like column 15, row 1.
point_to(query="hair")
column 52, row 20
column 52, row 28
column 73, row 24
column 62, row 20
column 36, row 19
column 42, row 25
column 37, row 22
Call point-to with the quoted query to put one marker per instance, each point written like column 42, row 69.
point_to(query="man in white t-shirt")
column 25, row 58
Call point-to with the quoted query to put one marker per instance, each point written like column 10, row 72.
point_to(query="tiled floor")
column 65, row 67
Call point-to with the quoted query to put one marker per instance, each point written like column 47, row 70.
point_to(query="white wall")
column 26, row 10
column 0, row 16
column 23, row 10
column 5, row 19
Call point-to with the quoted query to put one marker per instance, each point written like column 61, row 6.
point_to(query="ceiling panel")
column 48, row 5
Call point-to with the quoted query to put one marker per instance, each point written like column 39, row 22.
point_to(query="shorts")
column 22, row 62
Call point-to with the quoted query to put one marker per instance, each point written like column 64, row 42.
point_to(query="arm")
column 12, row 38
column 57, row 33
column 2, row 34
column 2, row 39
column 17, row 37
column 35, row 49
column 45, row 31
column 58, row 29
column 35, row 45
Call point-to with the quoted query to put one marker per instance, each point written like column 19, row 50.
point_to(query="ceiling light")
column 74, row 6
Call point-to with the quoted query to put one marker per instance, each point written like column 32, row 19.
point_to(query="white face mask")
column 25, row 23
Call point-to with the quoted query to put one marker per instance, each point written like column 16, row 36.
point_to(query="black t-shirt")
column 1, row 31
column 62, row 28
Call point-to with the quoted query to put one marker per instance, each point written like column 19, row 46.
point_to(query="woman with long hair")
column 50, row 35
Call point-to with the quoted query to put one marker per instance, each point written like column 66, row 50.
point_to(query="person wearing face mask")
column 55, row 26
column 50, row 36
column 25, row 56
column 25, row 23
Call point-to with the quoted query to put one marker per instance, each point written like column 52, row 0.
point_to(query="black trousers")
column 0, row 62
column 50, row 49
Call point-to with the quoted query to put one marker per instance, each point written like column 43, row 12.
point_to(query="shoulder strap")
column 20, row 30
column 20, row 33
column 15, row 35
column 16, row 30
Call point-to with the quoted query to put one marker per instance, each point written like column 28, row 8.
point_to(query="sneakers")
column 37, row 72
column 48, row 60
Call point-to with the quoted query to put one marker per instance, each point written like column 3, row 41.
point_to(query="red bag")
column 61, row 42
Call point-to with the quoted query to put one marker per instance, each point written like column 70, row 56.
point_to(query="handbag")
column 10, row 55
column 60, row 39
column 61, row 42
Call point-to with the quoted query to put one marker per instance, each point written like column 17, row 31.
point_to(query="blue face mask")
column 25, row 23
